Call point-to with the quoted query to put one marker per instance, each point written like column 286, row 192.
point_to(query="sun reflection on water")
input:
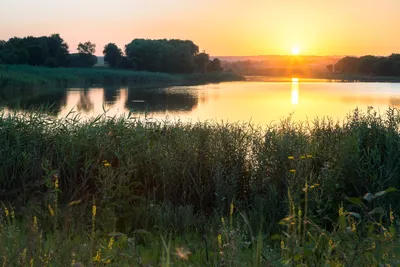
column 295, row 91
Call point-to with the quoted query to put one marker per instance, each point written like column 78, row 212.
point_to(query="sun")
column 295, row 50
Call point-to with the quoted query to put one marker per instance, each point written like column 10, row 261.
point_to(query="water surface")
column 258, row 102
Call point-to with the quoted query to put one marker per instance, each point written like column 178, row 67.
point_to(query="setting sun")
column 295, row 50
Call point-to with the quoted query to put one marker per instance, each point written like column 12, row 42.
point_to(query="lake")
column 250, row 101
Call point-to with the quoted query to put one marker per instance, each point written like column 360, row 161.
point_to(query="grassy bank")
column 131, row 193
column 27, row 76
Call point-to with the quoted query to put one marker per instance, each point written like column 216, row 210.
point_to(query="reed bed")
column 168, row 193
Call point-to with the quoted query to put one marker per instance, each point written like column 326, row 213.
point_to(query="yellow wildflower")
column 331, row 244
column 223, row 221
column 302, row 157
column 97, row 258
column 111, row 243
column 293, row 171
column 94, row 210
column 309, row 156
column 106, row 163
column 232, row 207
column 305, row 189
column 314, row 186
column 219, row 239
column 12, row 214
column 51, row 211
column 291, row 157
column 35, row 224
column 374, row 245
column 353, row 226
column 341, row 212
column 56, row 183
column 282, row 244
column 6, row 212
column 74, row 202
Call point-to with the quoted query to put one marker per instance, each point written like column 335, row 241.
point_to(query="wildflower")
column 353, row 226
column 111, row 243
column 56, row 182
column 314, row 186
column 223, row 221
column 23, row 257
column 97, row 258
column 6, row 212
column 106, row 163
column 51, row 211
column 94, row 210
column 331, row 245
column 35, row 224
column 182, row 253
column 282, row 244
column 291, row 157
column 305, row 189
column 74, row 202
column 374, row 245
column 341, row 212
column 31, row 262
column 219, row 239
column 302, row 157
column 309, row 156
column 293, row 171
column 12, row 214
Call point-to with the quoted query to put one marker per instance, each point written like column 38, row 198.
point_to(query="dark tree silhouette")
column 112, row 55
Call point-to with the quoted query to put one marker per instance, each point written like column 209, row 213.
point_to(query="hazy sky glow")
column 221, row 27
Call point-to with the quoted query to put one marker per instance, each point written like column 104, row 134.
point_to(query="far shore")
column 12, row 76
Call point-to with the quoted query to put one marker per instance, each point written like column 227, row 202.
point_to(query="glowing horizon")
column 224, row 28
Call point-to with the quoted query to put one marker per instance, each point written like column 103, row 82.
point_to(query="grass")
column 316, row 193
column 12, row 76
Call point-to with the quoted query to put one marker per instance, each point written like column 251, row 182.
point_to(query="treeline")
column 368, row 65
column 171, row 56
column 50, row 51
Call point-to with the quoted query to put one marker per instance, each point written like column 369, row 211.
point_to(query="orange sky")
column 221, row 27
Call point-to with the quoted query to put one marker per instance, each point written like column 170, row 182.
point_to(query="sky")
column 220, row 27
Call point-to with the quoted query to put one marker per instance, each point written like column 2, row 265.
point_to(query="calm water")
column 258, row 102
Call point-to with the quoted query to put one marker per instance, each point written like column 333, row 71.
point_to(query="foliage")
column 112, row 55
column 370, row 65
column 103, row 191
column 35, row 51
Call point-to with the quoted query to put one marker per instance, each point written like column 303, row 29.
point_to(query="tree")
column 173, row 56
column 85, row 57
column 214, row 65
column 58, row 50
column 112, row 55
column 86, row 48
column 366, row 64
column 202, row 61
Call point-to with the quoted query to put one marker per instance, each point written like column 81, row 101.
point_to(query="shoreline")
column 29, row 76
column 317, row 78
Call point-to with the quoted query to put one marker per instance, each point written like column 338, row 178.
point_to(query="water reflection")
column 258, row 102
column 295, row 91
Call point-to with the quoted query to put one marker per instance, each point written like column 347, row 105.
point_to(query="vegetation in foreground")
column 23, row 76
column 123, row 192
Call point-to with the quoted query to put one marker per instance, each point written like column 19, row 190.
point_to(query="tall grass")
column 28, row 76
column 178, row 180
